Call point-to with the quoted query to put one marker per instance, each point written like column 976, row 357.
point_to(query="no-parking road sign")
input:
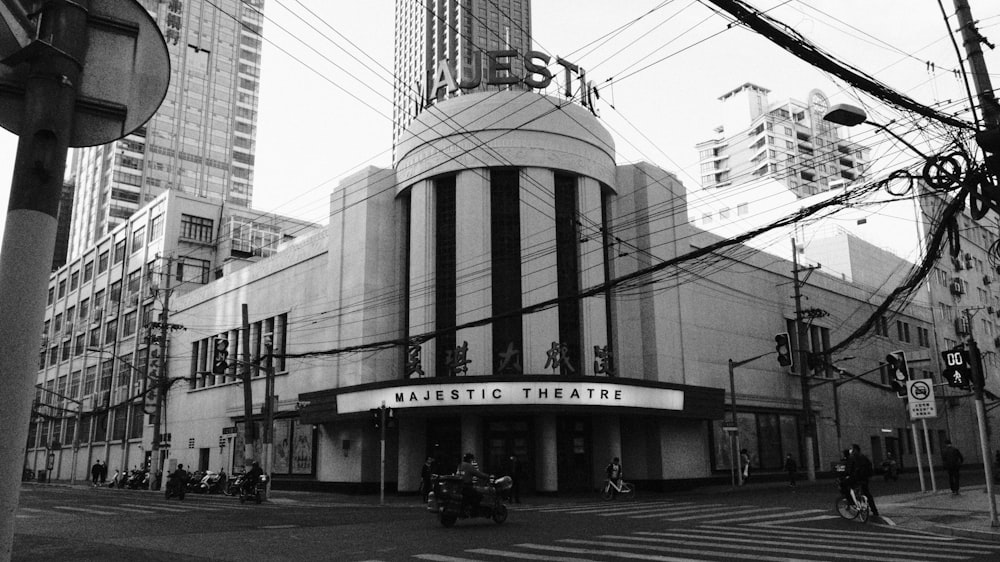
column 920, row 395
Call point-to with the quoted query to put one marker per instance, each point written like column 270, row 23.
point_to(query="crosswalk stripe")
column 442, row 558
column 905, row 536
column 727, row 512
column 790, row 515
column 528, row 556
column 710, row 507
column 83, row 510
column 156, row 507
column 757, row 543
column 697, row 552
column 128, row 509
column 616, row 553
column 877, row 540
column 626, row 508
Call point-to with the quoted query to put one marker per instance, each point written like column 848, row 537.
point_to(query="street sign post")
column 921, row 399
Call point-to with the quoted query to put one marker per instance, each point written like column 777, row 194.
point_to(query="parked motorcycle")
column 233, row 485
column 212, row 483
column 138, row 480
column 445, row 499
column 194, row 482
column 253, row 490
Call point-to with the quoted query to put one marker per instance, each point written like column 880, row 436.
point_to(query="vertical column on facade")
column 473, row 279
column 547, row 461
column 412, row 442
column 472, row 441
column 421, row 285
column 538, row 268
column 607, row 443
column 593, row 312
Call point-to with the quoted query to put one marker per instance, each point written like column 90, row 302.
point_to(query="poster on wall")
column 282, row 434
column 302, row 449
column 240, row 462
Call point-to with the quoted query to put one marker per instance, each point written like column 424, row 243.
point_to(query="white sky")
column 323, row 115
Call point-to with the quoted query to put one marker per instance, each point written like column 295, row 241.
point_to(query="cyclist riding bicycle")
column 856, row 474
column 614, row 471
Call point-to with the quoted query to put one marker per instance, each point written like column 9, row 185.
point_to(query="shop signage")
column 527, row 393
column 499, row 71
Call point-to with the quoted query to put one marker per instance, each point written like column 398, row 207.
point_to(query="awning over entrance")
column 523, row 393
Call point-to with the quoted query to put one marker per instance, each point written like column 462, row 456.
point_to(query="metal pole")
column 977, row 63
column 930, row 459
column 381, row 484
column 250, row 435
column 978, row 381
column 29, row 235
column 803, row 359
column 916, row 455
column 836, row 416
column 734, row 438
column 269, row 404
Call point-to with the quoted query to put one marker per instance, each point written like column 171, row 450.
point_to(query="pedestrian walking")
column 104, row 472
column 745, row 464
column 792, row 468
column 513, row 469
column 429, row 468
column 953, row 460
column 95, row 473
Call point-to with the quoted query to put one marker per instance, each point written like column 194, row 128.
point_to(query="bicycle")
column 855, row 507
column 622, row 488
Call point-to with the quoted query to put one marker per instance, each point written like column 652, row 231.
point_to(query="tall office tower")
column 201, row 140
column 459, row 31
column 787, row 141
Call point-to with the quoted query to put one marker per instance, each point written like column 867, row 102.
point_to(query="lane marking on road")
column 528, row 556
column 746, row 542
column 443, row 558
column 710, row 507
column 790, row 515
column 726, row 512
column 890, row 537
column 702, row 552
column 156, row 507
column 83, row 510
column 616, row 553
column 129, row 509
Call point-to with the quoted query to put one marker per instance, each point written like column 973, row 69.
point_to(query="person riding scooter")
column 252, row 476
column 468, row 470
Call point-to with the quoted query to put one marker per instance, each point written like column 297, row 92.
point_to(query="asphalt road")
column 752, row 523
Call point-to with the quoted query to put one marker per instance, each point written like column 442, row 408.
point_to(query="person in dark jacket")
column 792, row 468
column 953, row 460
column 513, row 469
column 429, row 468
column 859, row 470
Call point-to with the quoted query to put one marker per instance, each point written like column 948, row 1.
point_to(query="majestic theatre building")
column 483, row 292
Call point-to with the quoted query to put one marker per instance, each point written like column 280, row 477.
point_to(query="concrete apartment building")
column 100, row 340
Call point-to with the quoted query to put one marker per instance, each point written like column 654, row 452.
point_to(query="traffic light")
column 219, row 361
column 784, row 349
column 898, row 373
column 376, row 415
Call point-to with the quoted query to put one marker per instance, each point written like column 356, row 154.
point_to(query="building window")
column 138, row 238
column 193, row 271
column 62, row 288
column 88, row 271
column 74, row 280
column 196, row 228
column 102, row 262
column 155, row 227
column 119, row 251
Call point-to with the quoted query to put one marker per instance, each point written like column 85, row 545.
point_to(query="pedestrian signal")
column 957, row 370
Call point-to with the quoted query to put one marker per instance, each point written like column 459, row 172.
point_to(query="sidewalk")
column 964, row 515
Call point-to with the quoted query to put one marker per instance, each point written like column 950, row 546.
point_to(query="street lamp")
column 850, row 116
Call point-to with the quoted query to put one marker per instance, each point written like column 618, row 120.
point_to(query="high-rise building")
column 460, row 32
column 201, row 140
column 787, row 141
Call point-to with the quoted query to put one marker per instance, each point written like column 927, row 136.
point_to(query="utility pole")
column 270, row 402
column 971, row 39
column 978, row 382
column 800, row 340
column 250, row 435
column 161, row 381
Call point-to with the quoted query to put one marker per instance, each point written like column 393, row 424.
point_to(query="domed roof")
column 506, row 128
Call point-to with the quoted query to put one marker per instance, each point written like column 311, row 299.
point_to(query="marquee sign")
column 500, row 71
column 510, row 393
